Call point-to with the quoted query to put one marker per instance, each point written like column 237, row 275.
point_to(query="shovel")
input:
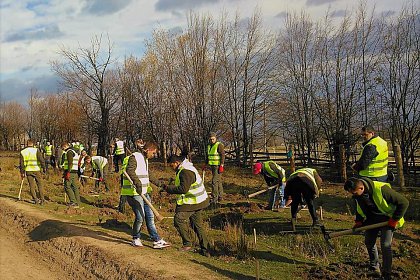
column 328, row 236
column 20, row 190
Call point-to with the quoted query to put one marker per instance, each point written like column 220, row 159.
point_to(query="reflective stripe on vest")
column 213, row 155
column 197, row 193
column 379, row 165
column 48, row 150
column 120, row 148
column 75, row 165
column 142, row 172
column 380, row 202
column 30, row 160
column 267, row 168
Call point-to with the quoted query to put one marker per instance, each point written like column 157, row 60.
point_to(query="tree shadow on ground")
column 225, row 272
column 50, row 229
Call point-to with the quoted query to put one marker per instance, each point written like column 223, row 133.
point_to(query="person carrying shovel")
column 376, row 202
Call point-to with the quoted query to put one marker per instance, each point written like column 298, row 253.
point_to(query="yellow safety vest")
column 48, row 150
column 119, row 148
column 30, row 160
column 142, row 172
column 379, row 165
column 273, row 174
column 197, row 193
column 75, row 166
column 309, row 172
column 380, row 202
column 213, row 155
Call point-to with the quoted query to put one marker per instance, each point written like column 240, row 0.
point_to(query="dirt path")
column 43, row 247
column 18, row 262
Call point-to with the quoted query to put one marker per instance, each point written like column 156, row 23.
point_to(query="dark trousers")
column 386, row 240
column 184, row 220
column 299, row 188
column 118, row 159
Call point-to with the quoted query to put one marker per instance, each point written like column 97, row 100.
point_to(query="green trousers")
column 35, row 179
column 183, row 221
column 72, row 187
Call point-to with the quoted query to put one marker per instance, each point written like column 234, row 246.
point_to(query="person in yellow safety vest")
column 216, row 160
column 99, row 166
column 273, row 175
column 137, row 168
column 303, row 183
column 191, row 200
column 373, row 161
column 48, row 155
column 69, row 164
column 377, row 202
column 118, row 153
column 32, row 166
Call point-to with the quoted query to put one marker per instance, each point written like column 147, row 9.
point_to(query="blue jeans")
column 142, row 212
column 386, row 241
column 277, row 193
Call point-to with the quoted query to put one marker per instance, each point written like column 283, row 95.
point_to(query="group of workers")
column 376, row 201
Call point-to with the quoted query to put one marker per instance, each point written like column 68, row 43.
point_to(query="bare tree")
column 86, row 71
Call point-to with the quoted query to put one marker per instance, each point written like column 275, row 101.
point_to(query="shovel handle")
column 358, row 229
column 261, row 191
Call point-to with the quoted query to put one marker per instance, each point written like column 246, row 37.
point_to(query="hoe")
column 328, row 236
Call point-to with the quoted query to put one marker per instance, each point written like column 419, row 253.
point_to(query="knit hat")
column 257, row 168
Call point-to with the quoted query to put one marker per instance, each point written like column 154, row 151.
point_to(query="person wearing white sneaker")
column 136, row 167
column 160, row 244
column 136, row 242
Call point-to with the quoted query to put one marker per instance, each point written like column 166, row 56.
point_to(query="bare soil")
column 34, row 245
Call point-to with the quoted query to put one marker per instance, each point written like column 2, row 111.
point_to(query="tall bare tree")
column 86, row 71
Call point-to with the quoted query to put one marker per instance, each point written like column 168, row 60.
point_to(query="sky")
column 33, row 31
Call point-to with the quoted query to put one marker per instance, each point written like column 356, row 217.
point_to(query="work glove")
column 392, row 223
column 221, row 169
column 204, row 167
column 101, row 179
column 66, row 175
column 22, row 175
column 357, row 224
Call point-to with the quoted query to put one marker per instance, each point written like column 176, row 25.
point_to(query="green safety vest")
column 127, row 188
column 65, row 165
column 48, row 150
column 30, row 160
column 379, row 165
column 267, row 168
column 119, row 148
column 213, row 155
column 197, row 193
column 380, row 202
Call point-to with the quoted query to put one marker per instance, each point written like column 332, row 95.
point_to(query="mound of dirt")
column 70, row 250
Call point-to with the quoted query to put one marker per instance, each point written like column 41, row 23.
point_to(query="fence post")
column 400, row 171
column 343, row 170
column 292, row 158
column 165, row 156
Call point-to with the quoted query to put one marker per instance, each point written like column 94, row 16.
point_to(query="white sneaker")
column 136, row 242
column 160, row 244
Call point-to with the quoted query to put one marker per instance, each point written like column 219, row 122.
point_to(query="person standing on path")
column 32, row 166
column 216, row 161
column 191, row 200
column 137, row 168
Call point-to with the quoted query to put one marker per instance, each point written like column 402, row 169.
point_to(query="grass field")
column 274, row 249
